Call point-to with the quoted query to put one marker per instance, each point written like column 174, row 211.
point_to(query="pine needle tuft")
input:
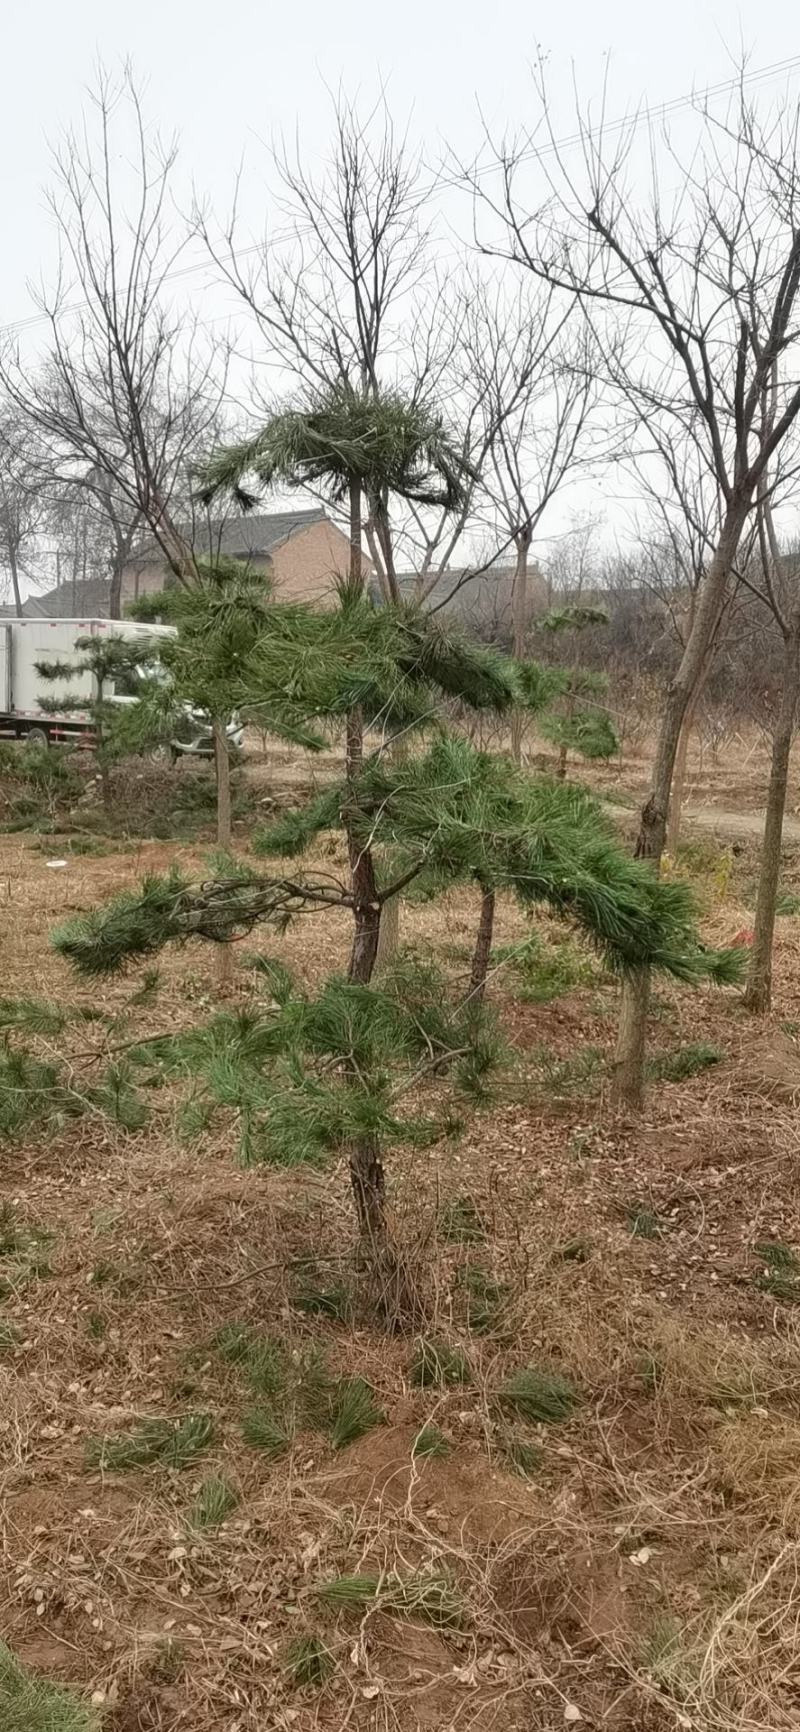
column 354, row 1411
column 154, row 1441
column 541, row 1397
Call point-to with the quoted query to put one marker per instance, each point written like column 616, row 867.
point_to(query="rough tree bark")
column 483, row 948
column 367, row 1175
column 14, row 570
column 759, row 978
column 679, row 781
column 628, row 1074
column 519, row 611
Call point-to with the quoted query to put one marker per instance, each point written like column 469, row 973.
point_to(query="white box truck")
column 23, row 643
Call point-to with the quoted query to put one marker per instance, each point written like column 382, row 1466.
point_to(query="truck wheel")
column 37, row 737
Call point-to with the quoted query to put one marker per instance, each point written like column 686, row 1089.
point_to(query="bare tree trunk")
column 679, row 781
column 519, row 615
column 759, row 978
column 483, row 948
column 115, row 588
column 628, row 1077
column 222, row 767
column 682, row 754
column 14, row 570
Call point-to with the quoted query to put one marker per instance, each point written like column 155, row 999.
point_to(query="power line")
column 662, row 111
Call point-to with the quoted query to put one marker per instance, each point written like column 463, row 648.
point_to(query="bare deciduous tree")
column 537, row 394
column 127, row 391
column 21, row 501
column 780, row 585
column 695, row 312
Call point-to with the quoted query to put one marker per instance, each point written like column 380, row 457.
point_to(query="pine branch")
column 139, row 923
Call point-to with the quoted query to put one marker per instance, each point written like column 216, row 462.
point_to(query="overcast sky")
column 226, row 79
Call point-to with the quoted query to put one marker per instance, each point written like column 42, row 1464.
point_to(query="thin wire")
column 661, row 112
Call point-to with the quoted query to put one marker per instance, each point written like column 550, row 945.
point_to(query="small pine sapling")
column 567, row 700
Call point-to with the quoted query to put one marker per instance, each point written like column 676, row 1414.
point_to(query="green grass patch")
column 320, row 1298
column 308, row 1662
column 522, row 1456
column 430, row 1599
column 266, row 1431
column 354, row 1411
column 641, row 1221
column 260, row 1359
column 460, row 1222
column 546, row 968
column 686, row 1061
column 18, row 1238
column 165, row 1442
column 28, row 1703
column 215, row 1500
column 787, row 903
column 429, row 1441
column 435, row 1364
column 485, row 1298
column 539, row 1396
column 564, row 1077
column 780, row 1275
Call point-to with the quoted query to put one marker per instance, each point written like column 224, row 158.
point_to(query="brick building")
column 302, row 552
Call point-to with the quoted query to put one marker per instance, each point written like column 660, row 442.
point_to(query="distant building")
column 302, row 552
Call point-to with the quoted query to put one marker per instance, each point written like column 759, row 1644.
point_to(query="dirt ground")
column 633, row 1567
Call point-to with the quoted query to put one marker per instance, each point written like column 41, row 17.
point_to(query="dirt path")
column 738, row 823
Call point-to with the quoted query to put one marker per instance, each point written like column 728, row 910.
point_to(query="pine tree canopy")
column 293, row 668
column 270, row 1064
column 463, row 814
column 573, row 618
column 454, row 814
column 590, row 732
column 381, row 442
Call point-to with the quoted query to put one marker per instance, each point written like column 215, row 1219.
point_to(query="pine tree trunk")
column 483, row 948
column 759, row 978
column 222, row 767
column 368, row 1180
column 628, row 1077
column 519, row 619
column 366, row 907
column 355, row 535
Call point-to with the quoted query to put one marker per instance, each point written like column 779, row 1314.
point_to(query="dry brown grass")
column 645, row 1571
